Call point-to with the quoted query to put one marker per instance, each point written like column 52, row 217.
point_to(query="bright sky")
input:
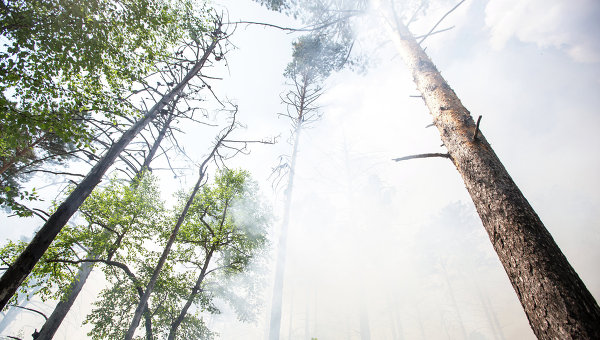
column 399, row 244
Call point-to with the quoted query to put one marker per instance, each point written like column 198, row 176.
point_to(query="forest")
column 299, row 169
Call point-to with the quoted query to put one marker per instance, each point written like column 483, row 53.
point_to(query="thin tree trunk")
column 421, row 326
column 276, row 308
column 307, row 320
column 365, row 330
column 495, row 318
column 494, row 327
column 556, row 301
column 275, row 324
column 163, row 257
column 161, row 135
column 62, row 308
column 291, row 319
column 397, row 331
column 20, row 269
column 175, row 324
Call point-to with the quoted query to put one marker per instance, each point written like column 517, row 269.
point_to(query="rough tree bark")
column 556, row 301
column 20, row 269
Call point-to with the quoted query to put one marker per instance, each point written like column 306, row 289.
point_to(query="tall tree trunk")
column 555, row 300
column 275, row 324
column 291, row 318
column 19, row 270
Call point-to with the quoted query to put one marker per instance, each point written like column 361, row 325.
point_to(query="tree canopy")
column 65, row 63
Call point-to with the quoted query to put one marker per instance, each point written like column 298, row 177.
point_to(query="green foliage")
column 285, row 6
column 228, row 221
column 124, row 223
column 65, row 60
column 314, row 57
column 119, row 218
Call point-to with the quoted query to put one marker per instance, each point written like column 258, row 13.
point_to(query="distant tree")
column 314, row 57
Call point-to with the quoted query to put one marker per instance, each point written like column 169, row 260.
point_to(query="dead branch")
column 31, row 310
column 439, row 22
column 433, row 33
column 477, row 128
column 422, row 155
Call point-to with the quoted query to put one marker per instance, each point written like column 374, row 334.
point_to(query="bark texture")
column 555, row 300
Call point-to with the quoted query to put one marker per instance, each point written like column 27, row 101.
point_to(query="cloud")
column 571, row 26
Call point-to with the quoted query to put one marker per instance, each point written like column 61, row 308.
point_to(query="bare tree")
column 314, row 58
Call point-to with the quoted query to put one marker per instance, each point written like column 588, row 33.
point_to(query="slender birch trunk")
column 556, row 301
column 62, row 308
